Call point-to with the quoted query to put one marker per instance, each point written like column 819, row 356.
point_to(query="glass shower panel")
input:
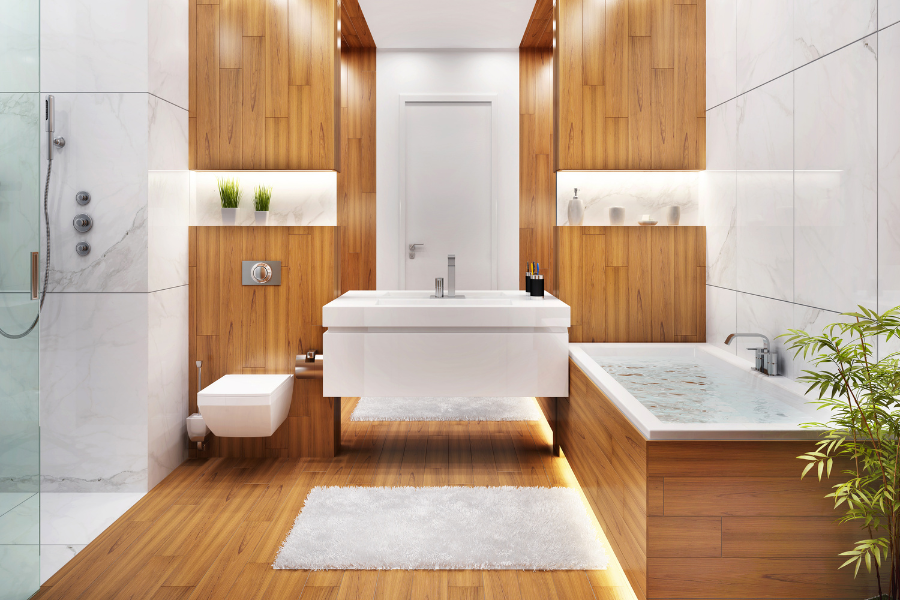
column 20, row 196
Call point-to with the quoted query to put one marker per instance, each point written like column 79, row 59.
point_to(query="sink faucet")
column 766, row 360
column 451, row 275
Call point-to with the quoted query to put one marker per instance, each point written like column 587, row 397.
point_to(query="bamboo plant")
column 861, row 396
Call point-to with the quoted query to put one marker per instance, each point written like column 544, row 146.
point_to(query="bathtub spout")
column 766, row 360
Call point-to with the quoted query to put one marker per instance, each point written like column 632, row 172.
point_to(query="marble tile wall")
column 802, row 188
column 113, row 379
column 638, row 192
column 94, row 392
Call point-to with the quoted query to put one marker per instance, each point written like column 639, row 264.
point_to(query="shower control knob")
column 83, row 223
column 83, row 248
column 83, row 198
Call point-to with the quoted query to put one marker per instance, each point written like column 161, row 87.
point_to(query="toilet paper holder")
column 309, row 365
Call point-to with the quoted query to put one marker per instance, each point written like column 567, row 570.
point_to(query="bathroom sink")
column 404, row 343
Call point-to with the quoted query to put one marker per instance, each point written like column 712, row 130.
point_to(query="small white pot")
column 229, row 216
column 673, row 215
column 616, row 215
column 262, row 218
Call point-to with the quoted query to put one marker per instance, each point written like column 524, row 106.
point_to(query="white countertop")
column 415, row 309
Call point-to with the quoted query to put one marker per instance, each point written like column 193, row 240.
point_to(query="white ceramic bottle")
column 576, row 210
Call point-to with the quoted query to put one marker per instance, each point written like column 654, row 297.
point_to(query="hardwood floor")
column 212, row 528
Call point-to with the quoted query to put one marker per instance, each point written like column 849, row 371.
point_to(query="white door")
column 448, row 194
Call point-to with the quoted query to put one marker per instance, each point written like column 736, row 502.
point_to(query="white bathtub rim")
column 653, row 429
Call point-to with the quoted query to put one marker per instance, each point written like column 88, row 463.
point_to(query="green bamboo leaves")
column 861, row 397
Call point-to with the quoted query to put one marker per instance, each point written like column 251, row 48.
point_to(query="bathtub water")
column 695, row 391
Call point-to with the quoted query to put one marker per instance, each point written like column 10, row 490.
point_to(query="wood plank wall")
column 356, row 181
column 633, row 284
column 706, row 519
column 264, row 84
column 537, row 181
column 629, row 84
column 260, row 329
column 539, row 31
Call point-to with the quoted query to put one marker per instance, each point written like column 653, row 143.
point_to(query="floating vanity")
column 406, row 343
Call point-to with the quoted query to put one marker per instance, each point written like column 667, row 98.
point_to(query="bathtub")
column 768, row 408
column 697, row 496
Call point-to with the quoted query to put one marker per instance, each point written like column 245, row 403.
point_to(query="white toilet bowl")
column 246, row 405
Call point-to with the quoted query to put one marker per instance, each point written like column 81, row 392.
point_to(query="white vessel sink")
column 404, row 343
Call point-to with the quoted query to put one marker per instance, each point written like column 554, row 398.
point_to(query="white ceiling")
column 447, row 23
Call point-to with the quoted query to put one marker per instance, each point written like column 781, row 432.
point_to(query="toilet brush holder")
column 537, row 286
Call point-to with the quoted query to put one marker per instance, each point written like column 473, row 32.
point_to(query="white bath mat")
column 446, row 409
column 442, row 528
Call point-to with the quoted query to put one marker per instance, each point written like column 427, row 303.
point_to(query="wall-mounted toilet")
column 246, row 405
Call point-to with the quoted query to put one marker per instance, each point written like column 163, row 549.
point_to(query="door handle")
column 35, row 277
column 412, row 250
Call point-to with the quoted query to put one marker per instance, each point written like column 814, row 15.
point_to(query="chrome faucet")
column 451, row 275
column 766, row 360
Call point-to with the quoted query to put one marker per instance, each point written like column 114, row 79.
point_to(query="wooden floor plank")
column 212, row 529
column 430, row 585
column 501, row 585
column 537, row 585
column 393, row 585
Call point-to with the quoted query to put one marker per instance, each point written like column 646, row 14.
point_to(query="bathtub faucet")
column 766, row 359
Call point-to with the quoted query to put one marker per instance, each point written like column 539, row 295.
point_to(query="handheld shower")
column 59, row 142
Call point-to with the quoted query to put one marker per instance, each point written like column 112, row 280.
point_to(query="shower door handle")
column 35, row 276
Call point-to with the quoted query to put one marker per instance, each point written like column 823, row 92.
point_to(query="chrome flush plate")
column 261, row 272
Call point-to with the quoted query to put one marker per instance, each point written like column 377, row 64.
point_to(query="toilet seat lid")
column 245, row 385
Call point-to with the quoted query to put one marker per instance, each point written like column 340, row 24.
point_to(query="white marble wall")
column 168, row 381
column 803, row 178
column 298, row 198
column 94, row 381
column 638, row 192
column 113, row 352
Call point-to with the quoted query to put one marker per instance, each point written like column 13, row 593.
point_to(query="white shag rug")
column 446, row 409
column 442, row 528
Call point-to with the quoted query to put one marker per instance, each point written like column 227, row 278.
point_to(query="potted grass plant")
column 861, row 398
column 261, row 200
column 230, row 199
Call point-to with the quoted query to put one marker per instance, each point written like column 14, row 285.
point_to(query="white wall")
column 801, row 198
column 113, row 370
column 446, row 72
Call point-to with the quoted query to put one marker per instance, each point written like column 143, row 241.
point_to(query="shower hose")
column 46, row 263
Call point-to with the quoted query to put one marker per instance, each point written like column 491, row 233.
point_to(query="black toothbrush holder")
column 537, row 285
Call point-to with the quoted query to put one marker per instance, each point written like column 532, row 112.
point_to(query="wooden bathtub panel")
column 752, row 578
column 678, row 537
column 788, row 536
column 728, row 459
column 746, row 497
column 608, row 457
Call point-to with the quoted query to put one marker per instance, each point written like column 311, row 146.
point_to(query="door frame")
column 491, row 100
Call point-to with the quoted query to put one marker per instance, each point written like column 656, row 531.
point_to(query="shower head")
column 50, row 113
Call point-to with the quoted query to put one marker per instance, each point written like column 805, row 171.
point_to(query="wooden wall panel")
column 647, row 60
column 537, row 184
column 261, row 329
column 356, row 181
column 254, row 61
column 632, row 284
column 695, row 519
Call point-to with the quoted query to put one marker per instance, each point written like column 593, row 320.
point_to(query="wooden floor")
column 212, row 528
